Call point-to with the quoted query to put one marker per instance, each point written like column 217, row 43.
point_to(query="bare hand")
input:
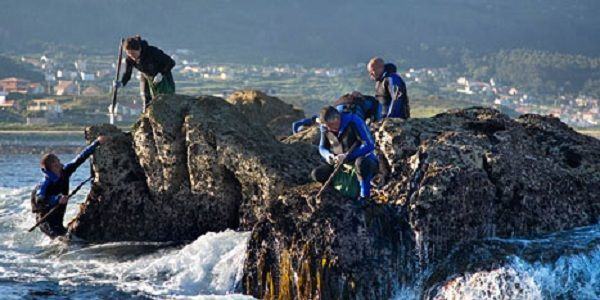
column 63, row 200
column 340, row 158
column 103, row 139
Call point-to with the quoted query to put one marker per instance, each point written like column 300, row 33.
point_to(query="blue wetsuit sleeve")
column 75, row 163
column 394, row 91
column 367, row 144
column 324, row 145
column 304, row 122
column 295, row 126
column 396, row 88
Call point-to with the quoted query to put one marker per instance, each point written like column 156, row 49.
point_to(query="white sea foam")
column 208, row 268
column 570, row 277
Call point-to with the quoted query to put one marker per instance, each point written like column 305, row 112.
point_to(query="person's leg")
column 52, row 230
column 384, row 110
column 366, row 168
column 321, row 173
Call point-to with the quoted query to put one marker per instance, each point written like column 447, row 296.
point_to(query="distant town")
column 75, row 89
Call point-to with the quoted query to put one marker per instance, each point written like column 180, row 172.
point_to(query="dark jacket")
column 151, row 62
column 52, row 187
column 352, row 129
column 390, row 90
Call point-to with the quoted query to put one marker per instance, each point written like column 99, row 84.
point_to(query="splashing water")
column 31, row 265
column 570, row 277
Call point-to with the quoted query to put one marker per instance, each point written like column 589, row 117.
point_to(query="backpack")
column 34, row 205
column 366, row 107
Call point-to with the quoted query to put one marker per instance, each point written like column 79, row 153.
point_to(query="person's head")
column 375, row 68
column 133, row 47
column 51, row 163
column 331, row 118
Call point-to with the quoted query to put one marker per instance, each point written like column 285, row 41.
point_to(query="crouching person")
column 54, row 189
column 339, row 132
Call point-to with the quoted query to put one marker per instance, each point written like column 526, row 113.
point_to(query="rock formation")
column 198, row 165
column 457, row 177
column 269, row 111
column 192, row 165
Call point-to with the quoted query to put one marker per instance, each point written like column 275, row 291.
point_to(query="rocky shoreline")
column 197, row 164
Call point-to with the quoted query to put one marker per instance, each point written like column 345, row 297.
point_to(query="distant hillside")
column 309, row 31
column 11, row 68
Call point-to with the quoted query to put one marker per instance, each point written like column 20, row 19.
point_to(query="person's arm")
column 83, row 156
column 395, row 92
column 324, row 146
column 296, row 126
column 128, row 69
column 367, row 144
column 304, row 122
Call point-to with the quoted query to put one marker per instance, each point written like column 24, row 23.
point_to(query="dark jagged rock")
column 203, row 166
column 475, row 173
column 118, row 204
column 269, row 111
column 457, row 177
column 310, row 135
column 339, row 251
column 193, row 165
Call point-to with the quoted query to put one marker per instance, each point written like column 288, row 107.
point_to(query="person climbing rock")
column 366, row 107
column 339, row 132
column 390, row 89
column 155, row 68
column 303, row 124
column 53, row 190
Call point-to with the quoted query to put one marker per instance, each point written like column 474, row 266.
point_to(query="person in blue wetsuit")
column 390, row 89
column 54, row 189
column 339, row 132
column 303, row 124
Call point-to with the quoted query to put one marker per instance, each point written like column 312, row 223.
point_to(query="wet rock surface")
column 198, row 164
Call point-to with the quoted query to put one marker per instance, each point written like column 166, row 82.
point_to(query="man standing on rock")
column 339, row 132
column 390, row 89
column 155, row 68
column 54, row 189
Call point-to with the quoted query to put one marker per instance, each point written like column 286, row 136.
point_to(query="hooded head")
column 389, row 68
